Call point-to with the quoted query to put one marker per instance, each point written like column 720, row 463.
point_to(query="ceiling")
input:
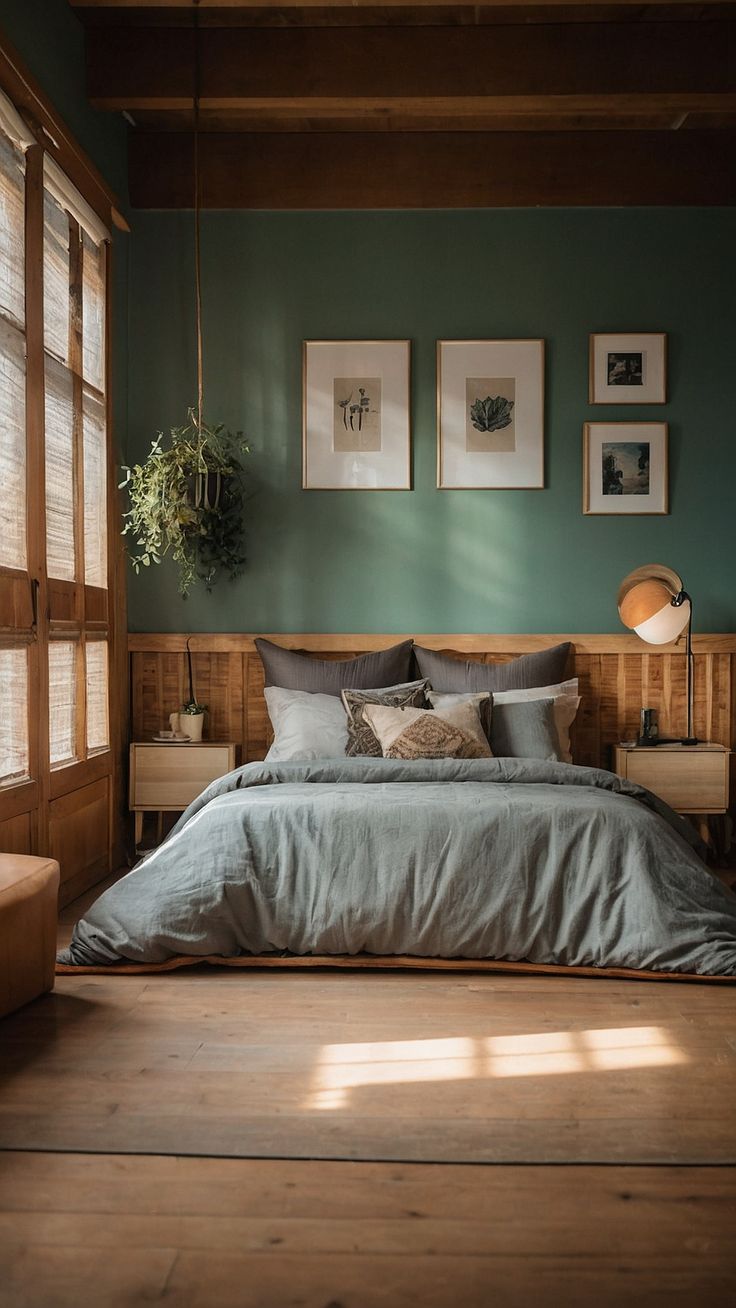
column 336, row 105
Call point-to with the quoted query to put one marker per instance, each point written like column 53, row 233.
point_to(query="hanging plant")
column 187, row 498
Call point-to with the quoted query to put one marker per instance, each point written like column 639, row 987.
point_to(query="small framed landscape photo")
column 625, row 467
column 490, row 414
column 355, row 416
column 628, row 368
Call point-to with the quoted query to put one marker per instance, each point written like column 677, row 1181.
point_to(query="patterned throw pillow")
column 361, row 737
column 424, row 733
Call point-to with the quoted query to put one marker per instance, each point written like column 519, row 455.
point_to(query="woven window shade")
column 95, row 490
column 56, row 301
column 60, row 556
column 98, row 729
column 12, row 447
column 93, row 312
column 62, row 701
column 12, row 232
column 14, row 762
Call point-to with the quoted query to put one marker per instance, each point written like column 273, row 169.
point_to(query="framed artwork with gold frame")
column 490, row 414
column 625, row 467
column 356, row 415
column 628, row 368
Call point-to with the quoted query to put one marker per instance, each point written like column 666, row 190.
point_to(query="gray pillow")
column 292, row 671
column 454, row 676
column 526, row 729
column 362, row 739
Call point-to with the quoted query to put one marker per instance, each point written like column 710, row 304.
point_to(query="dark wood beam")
column 235, row 120
column 511, row 6
column 366, row 13
column 537, row 69
column 434, row 170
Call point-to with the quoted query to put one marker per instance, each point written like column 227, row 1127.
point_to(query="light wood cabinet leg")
column 138, row 827
column 701, row 822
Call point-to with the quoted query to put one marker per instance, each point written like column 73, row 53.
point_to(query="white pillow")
column 567, row 702
column 305, row 725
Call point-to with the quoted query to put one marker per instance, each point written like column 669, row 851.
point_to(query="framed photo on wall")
column 625, row 467
column 628, row 368
column 490, row 414
column 355, row 415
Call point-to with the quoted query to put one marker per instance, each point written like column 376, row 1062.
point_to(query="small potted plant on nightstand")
column 191, row 719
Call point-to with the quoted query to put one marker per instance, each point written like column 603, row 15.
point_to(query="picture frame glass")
column 356, row 422
column 490, row 414
column 625, row 468
column 628, row 368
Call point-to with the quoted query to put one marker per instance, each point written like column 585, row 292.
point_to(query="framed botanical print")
column 355, row 418
column 628, row 368
column 490, row 414
column 625, row 467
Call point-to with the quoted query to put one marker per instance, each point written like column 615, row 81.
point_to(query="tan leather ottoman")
column 29, row 891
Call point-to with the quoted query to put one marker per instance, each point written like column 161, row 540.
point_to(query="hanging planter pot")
column 205, row 490
column 177, row 508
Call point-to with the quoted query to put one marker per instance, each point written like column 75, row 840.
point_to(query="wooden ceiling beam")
column 435, row 113
column 237, row 120
column 367, row 13
column 534, row 68
column 512, row 6
column 398, row 170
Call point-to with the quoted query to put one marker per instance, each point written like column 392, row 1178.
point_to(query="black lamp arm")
column 678, row 600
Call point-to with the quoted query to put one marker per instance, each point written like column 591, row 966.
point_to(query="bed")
column 437, row 820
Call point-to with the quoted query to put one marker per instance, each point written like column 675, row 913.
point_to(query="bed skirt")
column 375, row 962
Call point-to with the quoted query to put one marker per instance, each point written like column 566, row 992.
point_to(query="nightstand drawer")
column 690, row 780
column 170, row 776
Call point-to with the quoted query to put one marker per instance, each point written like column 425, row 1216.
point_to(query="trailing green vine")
column 171, row 509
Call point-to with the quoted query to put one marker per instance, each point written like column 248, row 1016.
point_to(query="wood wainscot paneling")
column 618, row 676
column 16, row 836
column 79, row 837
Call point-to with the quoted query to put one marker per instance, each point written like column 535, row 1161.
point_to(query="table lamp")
column 653, row 603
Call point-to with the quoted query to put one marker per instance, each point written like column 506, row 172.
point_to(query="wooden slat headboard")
column 618, row 675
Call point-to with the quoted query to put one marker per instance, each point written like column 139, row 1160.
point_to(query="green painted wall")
column 429, row 560
column 50, row 39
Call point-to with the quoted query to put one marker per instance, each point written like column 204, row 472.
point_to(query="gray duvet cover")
column 486, row 858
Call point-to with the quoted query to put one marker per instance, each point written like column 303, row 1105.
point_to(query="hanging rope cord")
column 197, row 216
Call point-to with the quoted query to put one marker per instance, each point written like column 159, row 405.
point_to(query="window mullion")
column 38, row 699
column 75, row 365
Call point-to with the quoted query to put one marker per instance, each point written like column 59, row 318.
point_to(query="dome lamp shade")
column 653, row 602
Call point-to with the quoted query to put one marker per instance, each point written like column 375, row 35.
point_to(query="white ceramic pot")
column 190, row 724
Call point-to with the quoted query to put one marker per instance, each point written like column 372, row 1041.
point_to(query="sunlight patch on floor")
column 345, row 1067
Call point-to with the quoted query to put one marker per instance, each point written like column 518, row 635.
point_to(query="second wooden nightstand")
column 690, row 778
column 165, row 778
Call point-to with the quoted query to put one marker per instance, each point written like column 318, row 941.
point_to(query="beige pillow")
column 423, row 733
column 566, row 704
column 483, row 701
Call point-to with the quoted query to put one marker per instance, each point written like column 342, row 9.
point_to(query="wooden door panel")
column 78, row 837
column 16, row 836
column 16, row 601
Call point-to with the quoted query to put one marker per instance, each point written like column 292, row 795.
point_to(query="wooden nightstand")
column 166, row 778
column 690, row 778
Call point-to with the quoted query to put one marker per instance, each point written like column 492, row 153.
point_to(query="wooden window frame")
column 35, row 609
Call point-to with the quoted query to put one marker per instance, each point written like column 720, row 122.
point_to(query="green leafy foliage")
column 187, row 498
column 192, row 708
column 492, row 413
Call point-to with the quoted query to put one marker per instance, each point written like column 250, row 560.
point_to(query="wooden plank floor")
column 500, row 1140
column 217, row 1233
